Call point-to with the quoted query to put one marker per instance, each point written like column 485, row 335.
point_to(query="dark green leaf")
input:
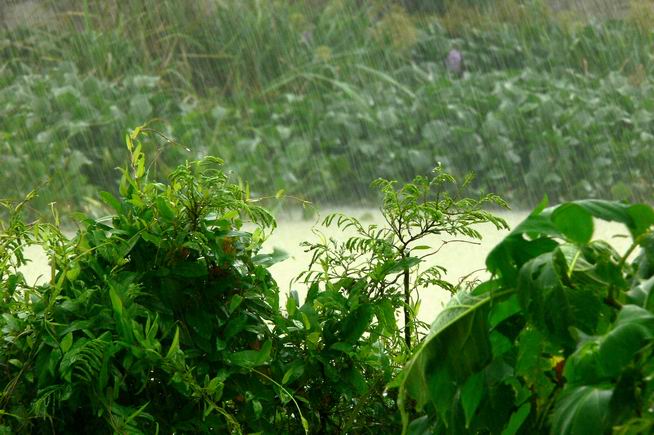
column 582, row 410
column 252, row 358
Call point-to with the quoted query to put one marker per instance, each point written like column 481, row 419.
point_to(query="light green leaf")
column 252, row 358
column 574, row 222
column 174, row 346
column 164, row 209
column 295, row 371
column 116, row 302
column 235, row 302
column 67, row 342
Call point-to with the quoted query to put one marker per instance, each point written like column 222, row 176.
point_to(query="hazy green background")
column 320, row 97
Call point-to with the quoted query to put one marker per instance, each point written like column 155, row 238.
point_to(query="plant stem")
column 407, row 311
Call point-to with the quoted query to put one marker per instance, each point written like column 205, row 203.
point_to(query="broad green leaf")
column 127, row 246
column 164, row 209
column 517, row 419
column 499, row 343
column 257, row 408
column 568, row 221
column 637, row 217
column 471, row 394
column 252, row 358
column 550, row 304
column 111, row 201
column 116, row 302
column 386, row 316
column 67, row 342
column 508, row 257
column 574, row 222
column 73, row 272
column 582, row 410
column 291, row 306
column 18, row 363
column 356, row 323
column 602, row 358
column 149, row 237
column 503, row 310
column 456, row 348
column 355, row 378
column 343, row 347
column 234, row 303
column 293, row 372
column 267, row 260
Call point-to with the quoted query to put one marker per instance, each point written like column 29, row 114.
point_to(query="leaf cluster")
column 164, row 317
column 559, row 340
column 156, row 320
column 346, row 341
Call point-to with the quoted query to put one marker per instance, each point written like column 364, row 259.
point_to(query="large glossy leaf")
column 456, row 348
column 574, row 222
column 552, row 305
column 602, row 358
column 582, row 410
column 637, row 217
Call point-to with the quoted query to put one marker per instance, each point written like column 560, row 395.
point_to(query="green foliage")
column 163, row 316
column 343, row 344
column 276, row 88
column 54, row 128
column 158, row 321
column 559, row 340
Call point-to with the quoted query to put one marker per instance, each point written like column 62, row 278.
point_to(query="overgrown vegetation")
column 559, row 341
column 320, row 98
column 164, row 317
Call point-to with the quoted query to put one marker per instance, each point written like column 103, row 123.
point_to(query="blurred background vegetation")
column 320, row 97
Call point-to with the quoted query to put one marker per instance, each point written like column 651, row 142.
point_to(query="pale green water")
column 460, row 259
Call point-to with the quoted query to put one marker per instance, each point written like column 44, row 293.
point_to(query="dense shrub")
column 164, row 317
column 558, row 341
column 153, row 322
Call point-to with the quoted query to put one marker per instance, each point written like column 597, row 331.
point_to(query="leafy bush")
column 343, row 344
column 155, row 322
column 167, row 319
column 559, row 340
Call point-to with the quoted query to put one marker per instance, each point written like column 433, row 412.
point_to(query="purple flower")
column 454, row 61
